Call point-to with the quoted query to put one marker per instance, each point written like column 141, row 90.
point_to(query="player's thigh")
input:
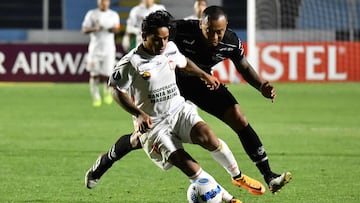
column 215, row 102
column 160, row 143
column 93, row 64
column 188, row 118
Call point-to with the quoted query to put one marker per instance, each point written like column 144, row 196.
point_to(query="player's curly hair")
column 155, row 20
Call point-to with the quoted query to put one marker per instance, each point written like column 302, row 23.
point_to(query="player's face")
column 213, row 30
column 104, row 4
column 156, row 43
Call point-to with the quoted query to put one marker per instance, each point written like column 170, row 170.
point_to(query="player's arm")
column 132, row 26
column 88, row 26
column 192, row 69
column 120, row 81
column 88, row 30
column 122, row 98
column 116, row 28
column 250, row 75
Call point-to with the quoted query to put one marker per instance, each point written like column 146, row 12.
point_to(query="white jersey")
column 151, row 79
column 137, row 15
column 101, row 42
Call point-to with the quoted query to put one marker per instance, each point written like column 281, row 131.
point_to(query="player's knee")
column 235, row 118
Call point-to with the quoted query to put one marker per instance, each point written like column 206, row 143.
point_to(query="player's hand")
column 144, row 122
column 114, row 29
column 99, row 28
column 268, row 91
column 211, row 82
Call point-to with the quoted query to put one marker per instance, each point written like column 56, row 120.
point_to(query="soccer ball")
column 204, row 190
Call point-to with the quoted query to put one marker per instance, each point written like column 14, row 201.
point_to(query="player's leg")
column 251, row 142
column 222, row 104
column 121, row 148
column 93, row 66
column 201, row 134
column 192, row 129
column 183, row 161
column 107, row 67
column 94, row 82
column 107, row 91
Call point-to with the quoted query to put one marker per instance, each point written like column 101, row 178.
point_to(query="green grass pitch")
column 50, row 135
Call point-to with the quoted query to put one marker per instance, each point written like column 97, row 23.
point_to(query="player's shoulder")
column 136, row 9
column 171, row 47
column 159, row 7
column 113, row 12
column 125, row 60
column 187, row 25
column 92, row 11
column 230, row 38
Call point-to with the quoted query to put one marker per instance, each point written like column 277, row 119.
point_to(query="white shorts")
column 101, row 64
column 168, row 135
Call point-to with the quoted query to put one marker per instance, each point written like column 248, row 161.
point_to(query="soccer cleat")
column 279, row 181
column 96, row 103
column 90, row 181
column 251, row 185
column 108, row 98
column 234, row 200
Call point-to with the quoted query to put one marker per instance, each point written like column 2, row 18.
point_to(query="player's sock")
column 122, row 147
column 94, row 87
column 116, row 152
column 225, row 157
column 255, row 150
column 107, row 94
column 203, row 174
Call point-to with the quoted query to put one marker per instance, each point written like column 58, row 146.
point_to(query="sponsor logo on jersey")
column 146, row 75
column 170, row 53
column 226, row 49
column 188, row 42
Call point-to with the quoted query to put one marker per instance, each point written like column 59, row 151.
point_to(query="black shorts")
column 215, row 102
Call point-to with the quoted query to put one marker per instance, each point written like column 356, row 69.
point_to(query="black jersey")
column 189, row 40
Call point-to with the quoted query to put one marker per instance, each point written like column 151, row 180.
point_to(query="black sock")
column 255, row 150
column 116, row 152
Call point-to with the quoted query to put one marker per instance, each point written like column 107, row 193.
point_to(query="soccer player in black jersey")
column 206, row 42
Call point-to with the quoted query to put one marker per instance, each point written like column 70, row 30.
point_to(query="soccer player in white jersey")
column 164, row 119
column 132, row 35
column 199, row 7
column 101, row 24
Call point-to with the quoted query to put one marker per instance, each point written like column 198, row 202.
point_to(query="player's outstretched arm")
column 192, row 69
column 250, row 75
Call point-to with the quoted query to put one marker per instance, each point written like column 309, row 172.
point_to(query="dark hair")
column 213, row 13
column 155, row 20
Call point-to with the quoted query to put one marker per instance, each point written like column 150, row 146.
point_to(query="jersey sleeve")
column 237, row 54
column 116, row 19
column 121, row 76
column 87, row 20
column 178, row 58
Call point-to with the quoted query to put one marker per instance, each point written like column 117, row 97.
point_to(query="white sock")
column 225, row 157
column 203, row 174
column 94, row 88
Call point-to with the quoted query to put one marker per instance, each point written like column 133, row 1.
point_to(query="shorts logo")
column 116, row 75
column 155, row 148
